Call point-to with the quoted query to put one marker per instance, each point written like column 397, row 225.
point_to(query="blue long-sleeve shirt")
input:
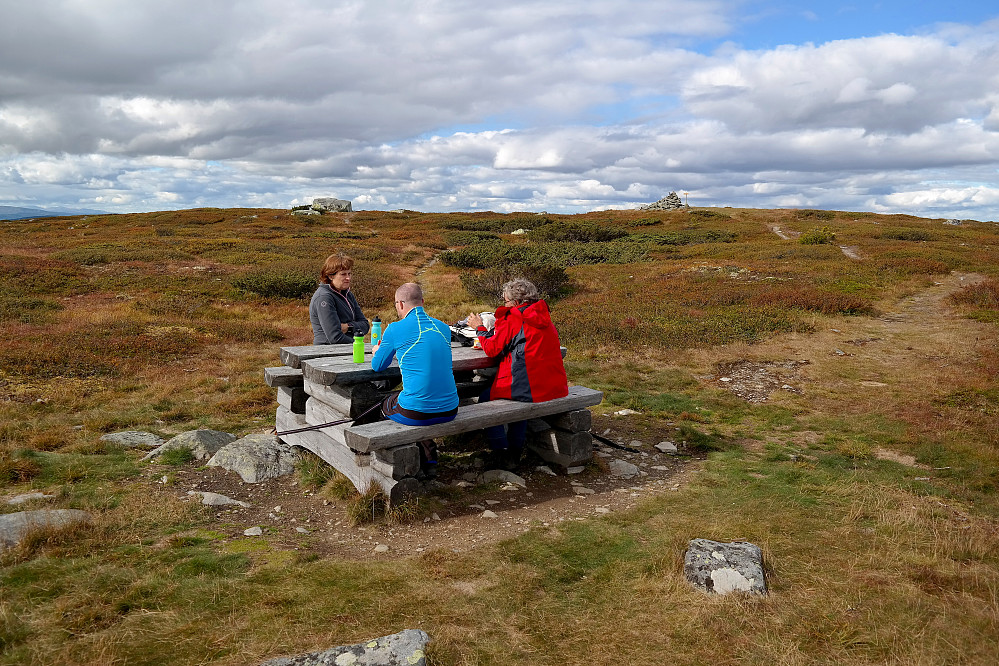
column 422, row 345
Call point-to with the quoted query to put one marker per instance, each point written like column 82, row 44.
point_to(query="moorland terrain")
column 831, row 381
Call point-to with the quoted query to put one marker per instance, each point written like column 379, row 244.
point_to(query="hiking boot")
column 428, row 452
column 428, row 459
column 511, row 460
column 495, row 459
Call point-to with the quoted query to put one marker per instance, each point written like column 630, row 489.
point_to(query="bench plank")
column 283, row 376
column 386, row 434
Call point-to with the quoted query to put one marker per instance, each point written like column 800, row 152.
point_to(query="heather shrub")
column 645, row 222
column 809, row 214
column 112, row 253
column 983, row 295
column 240, row 331
column 575, row 232
column 906, row 235
column 41, row 277
column 686, row 237
column 59, row 357
column 275, row 283
column 911, row 265
column 458, row 238
column 817, row 236
column 709, row 215
column 487, row 254
column 499, row 224
column 486, row 286
column 812, row 299
column 27, row 310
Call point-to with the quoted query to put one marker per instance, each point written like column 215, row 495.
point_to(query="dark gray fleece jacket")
column 328, row 309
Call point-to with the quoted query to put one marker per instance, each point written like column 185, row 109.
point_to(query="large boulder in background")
column 331, row 205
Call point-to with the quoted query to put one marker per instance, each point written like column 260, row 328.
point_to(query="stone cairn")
column 669, row 202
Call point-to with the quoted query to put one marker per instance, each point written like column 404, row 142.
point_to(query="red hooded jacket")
column 531, row 368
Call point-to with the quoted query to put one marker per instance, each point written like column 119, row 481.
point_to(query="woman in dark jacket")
column 531, row 368
column 335, row 315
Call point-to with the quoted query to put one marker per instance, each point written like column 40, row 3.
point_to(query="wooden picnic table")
column 320, row 385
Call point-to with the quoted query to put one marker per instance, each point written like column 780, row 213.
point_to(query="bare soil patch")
column 293, row 517
column 755, row 381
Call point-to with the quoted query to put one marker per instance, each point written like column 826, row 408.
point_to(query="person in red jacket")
column 530, row 369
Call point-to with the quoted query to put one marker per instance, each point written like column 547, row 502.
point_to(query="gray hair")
column 520, row 290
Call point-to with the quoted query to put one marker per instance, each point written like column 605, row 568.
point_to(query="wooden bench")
column 326, row 389
column 387, row 434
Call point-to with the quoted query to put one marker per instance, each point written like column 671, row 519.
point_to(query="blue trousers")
column 512, row 436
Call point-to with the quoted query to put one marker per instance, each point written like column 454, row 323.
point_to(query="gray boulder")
column 502, row 476
column 256, row 458
column 133, row 439
column 403, row 649
column 331, row 205
column 203, row 443
column 29, row 497
column 215, row 499
column 721, row 568
column 622, row 468
column 13, row 526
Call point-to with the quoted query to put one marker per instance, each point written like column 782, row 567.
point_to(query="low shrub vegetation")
column 817, row 236
column 868, row 476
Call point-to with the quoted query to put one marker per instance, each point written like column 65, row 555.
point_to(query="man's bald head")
column 407, row 297
column 410, row 294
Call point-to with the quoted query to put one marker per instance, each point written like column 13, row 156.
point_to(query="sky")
column 522, row 105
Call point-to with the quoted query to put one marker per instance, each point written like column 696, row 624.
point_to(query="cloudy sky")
column 520, row 105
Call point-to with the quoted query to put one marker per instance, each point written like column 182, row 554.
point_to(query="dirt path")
column 861, row 358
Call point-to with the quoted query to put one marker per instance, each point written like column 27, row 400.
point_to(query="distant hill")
column 18, row 213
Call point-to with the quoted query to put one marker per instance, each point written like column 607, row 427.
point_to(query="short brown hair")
column 333, row 265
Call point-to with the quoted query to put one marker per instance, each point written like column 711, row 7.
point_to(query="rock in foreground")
column 256, row 458
column 721, row 568
column 203, row 443
column 402, row 649
column 14, row 526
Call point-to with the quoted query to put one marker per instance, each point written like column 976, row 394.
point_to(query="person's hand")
column 474, row 320
column 344, row 327
column 374, row 350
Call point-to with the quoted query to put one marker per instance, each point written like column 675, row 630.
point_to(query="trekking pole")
column 331, row 423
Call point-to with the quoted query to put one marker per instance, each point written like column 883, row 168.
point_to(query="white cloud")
column 523, row 105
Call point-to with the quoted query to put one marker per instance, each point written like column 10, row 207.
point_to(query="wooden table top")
column 294, row 356
column 341, row 369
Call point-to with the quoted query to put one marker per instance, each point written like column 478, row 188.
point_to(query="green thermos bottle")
column 358, row 348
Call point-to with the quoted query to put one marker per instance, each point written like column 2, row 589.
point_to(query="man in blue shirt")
column 422, row 346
